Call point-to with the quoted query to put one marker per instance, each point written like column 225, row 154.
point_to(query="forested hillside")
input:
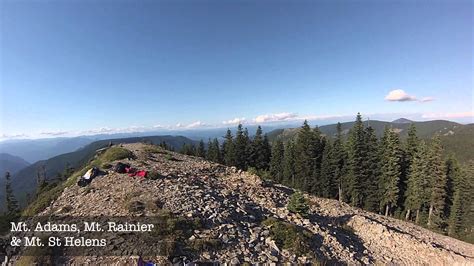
column 456, row 139
column 410, row 178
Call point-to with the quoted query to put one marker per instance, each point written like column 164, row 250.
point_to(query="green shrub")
column 116, row 153
column 298, row 204
column 136, row 206
column 153, row 149
column 206, row 244
column 153, row 175
column 289, row 236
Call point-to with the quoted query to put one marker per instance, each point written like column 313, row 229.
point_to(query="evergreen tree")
column 437, row 175
column 289, row 171
column 391, row 172
column 357, row 162
column 214, row 153
column 340, row 165
column 409, row 150
column 298, row 204
column 188, row 149
column 371, row 193
column 241, row 148
column 11, row 202
column 277, row 161
column 260, row 151
column 327, row 172
column 411, row 147
column 318, row 143
column 305, row 159
column 452, row 170
column 415, row 195
column 228, row 149
column 458, row 219
column 201, row 150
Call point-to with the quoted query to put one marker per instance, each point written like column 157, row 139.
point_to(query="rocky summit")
column 221, row 214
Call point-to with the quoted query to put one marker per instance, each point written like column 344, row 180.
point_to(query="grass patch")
column 154, row 175
column 116, row 153
column 289, row 236
column 206, row 244
column 154, row 149
column 173, row 232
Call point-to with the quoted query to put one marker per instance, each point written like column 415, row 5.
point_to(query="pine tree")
column 201, row 150
column 372, row 194
column 318, row 143
column 298, row 204
column 214, row 153
column 228, row 149
column 415, row 195
column 437, row 175
column 452, row 170
column 327, row 172
column 305, row 159
column 241, row 148
column 277, row 161
column 289, row 171
column 410, row 149
column 11, row 202
column 340, row 165
column 460, row 205
column 391, row 172
column 357, row 162
column 188, row 149
column 260, row 151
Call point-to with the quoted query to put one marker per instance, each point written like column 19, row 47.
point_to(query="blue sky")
column 70, row 67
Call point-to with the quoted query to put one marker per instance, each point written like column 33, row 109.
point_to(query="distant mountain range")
column 24, row 181
column 11, row 163
column 457, row 139
column 33, row 150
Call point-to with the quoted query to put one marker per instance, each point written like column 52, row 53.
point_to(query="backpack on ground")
column 121, row 168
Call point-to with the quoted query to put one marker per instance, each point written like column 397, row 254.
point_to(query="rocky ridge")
column 232, row 205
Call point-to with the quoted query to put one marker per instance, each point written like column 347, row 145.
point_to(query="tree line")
column 408, row 179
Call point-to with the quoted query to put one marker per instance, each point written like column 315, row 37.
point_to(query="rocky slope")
column 234, row 208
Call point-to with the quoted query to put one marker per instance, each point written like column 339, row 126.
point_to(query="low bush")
column 116, row 153
column 298, row 204
column 289, row 236
column 206, row 244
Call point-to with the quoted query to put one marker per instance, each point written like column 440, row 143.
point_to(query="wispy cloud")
column 196, row 124
column 426, row 99
column 54, row 133
column 13, row 136
column 275, row 117
column 235, row 121
column 401, row 96
column 469, row 114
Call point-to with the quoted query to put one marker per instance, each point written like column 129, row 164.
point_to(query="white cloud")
column 399, row 96
column 275, row 117
column 469, row 114
column 196, row 124
column 426, row 99
column 192, row 125
column 13, row 136
column 54, row 133
column 235, row 121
